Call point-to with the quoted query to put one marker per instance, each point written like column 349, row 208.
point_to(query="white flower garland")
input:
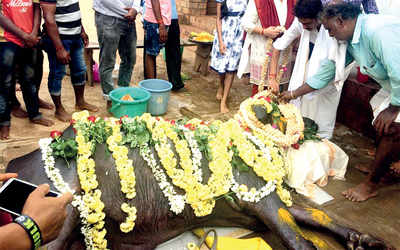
column 176, row 202
column 49, row 162
column 54, row 175
column 196, row 153
column 252, row 195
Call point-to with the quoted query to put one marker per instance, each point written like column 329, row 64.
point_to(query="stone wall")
column 191, row 7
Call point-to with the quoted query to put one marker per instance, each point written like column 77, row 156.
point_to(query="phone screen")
column 14, row 193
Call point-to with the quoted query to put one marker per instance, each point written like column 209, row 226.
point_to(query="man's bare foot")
column 361, row 192
column 4, row 132
column 19, row 112
column 62, row 115
column 45, row 105
column 395, row 167
column 363, row 168
column 220, row 92
column 86, row 106
column 43, row 121
column 223, row 108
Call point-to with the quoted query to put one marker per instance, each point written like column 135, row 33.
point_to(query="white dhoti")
column 312, row 164
column 379, row 102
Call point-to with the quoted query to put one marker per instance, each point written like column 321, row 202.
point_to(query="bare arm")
column 13, row 237
column 161, row 27
column 273, row 69
column 293, row 94
column 49, row 10
column 84, row 37
column 8, row 25
column 222, row 47
column 37, row 16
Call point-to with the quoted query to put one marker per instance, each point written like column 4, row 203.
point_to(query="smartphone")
column 14, row 193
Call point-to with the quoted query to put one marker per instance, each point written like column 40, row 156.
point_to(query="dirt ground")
column 379, row 216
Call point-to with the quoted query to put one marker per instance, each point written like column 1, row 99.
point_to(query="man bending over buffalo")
column 374, row 44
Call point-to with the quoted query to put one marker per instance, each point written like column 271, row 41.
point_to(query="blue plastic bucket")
column 160, row 91
column 131, row 108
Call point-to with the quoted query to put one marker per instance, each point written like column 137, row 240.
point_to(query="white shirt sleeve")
column 250, row 17
column 289, row 36
column 136, row 5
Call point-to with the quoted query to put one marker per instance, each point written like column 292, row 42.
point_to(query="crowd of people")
column 253, row 38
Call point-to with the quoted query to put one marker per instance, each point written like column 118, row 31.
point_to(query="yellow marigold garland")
column 294, row 128
column 200, row 196
column 91, row 197
column 125, row 171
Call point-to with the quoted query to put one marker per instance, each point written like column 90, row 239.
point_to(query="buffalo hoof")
column 357, row 241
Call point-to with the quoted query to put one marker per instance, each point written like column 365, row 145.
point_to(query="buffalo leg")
column 320, row 220
column 277, row 218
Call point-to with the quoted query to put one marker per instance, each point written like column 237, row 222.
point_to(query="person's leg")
column 127, row 53
column 7, row 65
column 57, row 72
column 108, row 34
column 26, row 61
column 220, row 91
column 78, row 75
column 38, row 64
column 16, row 109
column 152, row 48
column 227, row 87
column 173, row 55
column 150, row 67
column 387, row 152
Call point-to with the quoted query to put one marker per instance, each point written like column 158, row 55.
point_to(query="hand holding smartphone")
column 15, row 192
column 48, row 209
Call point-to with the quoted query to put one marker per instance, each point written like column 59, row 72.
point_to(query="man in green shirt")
column 374, row 43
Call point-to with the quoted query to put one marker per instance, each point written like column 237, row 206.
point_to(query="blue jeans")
column 77, row 66
column 11, row 55
column 115, row 34
column 152, row 45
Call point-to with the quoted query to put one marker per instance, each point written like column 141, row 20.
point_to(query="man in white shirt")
column 115, row 24
column 315, row 46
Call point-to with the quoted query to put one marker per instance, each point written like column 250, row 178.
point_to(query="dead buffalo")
column 155, row 222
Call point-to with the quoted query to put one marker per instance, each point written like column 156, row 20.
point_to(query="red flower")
column 268, row 99
column 122, row 117
column 173, row 122
column 55, row 134
column 92, row 118
column 157, row 118
column 296, row 146
column 190, row 126
column 260, row 97
column 247, row 129
column 202, row 123
column 230, row 144
column 72, row 122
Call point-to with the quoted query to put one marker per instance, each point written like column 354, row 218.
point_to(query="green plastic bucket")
column 160, row 91
column 130, row 108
